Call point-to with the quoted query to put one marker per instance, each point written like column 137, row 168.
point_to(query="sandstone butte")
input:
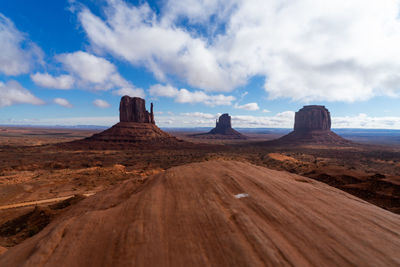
column 223, row 130
column 216, row 213
column 136, row 125
column 133, row 109
column 312, row 125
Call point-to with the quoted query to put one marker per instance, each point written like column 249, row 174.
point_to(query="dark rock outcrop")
column 223, row 130
column 223, row 124
column 312, row 126
column 312, row 118
column 133, row 109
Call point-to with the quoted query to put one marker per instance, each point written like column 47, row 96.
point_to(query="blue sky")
column 69, row 62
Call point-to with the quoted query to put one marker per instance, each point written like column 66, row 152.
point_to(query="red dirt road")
column 40, row 202
column 189, row 216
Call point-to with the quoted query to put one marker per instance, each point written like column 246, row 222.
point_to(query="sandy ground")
column 34, row 136
column 216, row 213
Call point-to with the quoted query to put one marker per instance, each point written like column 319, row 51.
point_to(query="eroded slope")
column 191, row 216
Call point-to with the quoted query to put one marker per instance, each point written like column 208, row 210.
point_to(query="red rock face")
column 312, row 118
column 312, row 125
column 136, row 128
column 133, row 109
column 223, row 123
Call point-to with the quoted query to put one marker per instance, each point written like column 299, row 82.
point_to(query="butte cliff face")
column 313, row 125
column 312, row 118
column 223, row 130
column 133, row 109
column 223, row 124
column 136, row 125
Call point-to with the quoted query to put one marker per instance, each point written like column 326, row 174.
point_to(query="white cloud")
column 49, row 81
column 13, row 93
column 72, row 121
column 199, row 119
column 186, row 96
column 130, row 91
column 101, row 103
column 18, row 55
column 87, row 71
column 281, row 120
column 190, row 119
column 201, row 115
column 249, row 106
column 136, row 35
column 163, row 90
column 306, row 50
column 92, row 72
column 199, row 12
column 364, row 121
column 62, row 102
column 266, row 111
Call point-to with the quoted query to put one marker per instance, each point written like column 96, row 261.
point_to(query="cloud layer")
column 101, row 103
column 87, row 71
column 199, row 119
column 13, row 93
column 18, row 55
column 48, row 81
column 306, row 50
column 136, row 35
column 249, row 106
column 280, row 120
column 185, row 96
column 62, row 102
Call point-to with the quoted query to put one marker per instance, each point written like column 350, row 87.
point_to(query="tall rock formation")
column 312, row 118
column 223, row 130
column 133, row 109
column 136, row 125
column 312, row 124
column 222, row 125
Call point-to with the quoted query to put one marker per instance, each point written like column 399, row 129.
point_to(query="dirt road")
column 40, row 202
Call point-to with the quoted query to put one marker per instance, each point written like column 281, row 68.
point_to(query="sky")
column 68, row 62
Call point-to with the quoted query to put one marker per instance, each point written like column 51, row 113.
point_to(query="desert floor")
column 43, row 180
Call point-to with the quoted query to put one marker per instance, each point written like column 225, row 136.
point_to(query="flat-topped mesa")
column 312, row 125
column 133, row 109
column 223, row 123
column 312, row 118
